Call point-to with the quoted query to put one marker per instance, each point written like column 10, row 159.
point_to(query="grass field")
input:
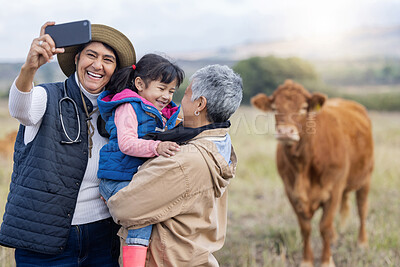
column 7, row 125
column 262, row 228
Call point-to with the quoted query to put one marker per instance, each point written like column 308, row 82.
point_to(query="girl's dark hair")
column 150, row 67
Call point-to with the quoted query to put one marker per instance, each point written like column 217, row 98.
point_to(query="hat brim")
column 105, row 34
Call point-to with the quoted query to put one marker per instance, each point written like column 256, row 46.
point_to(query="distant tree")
column 178, row 95
column 265, row 74
column 361, row 72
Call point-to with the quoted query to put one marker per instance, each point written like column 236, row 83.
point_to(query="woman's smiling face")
column 95, row 66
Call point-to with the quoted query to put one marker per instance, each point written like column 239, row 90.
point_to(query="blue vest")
column 114, row 164
column 46, row 177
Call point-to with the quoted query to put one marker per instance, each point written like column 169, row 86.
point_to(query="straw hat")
column 105, row 34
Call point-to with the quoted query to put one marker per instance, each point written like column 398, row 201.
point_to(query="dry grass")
column 262, row 229
column 8, row 125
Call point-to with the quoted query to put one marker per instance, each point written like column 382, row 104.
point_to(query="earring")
column 196, row 113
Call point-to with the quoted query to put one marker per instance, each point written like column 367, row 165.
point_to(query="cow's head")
column 291, row 104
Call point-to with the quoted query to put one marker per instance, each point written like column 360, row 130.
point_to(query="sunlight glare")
column 314, row 18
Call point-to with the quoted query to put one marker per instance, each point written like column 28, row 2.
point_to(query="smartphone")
column 71, row 33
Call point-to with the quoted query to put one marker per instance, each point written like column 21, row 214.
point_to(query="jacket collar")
column 182, row 135
column 212, row 134
column 73, row 91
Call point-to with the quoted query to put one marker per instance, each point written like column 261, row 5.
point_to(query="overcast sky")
column 172, row 26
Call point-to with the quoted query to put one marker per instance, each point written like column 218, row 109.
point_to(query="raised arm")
column 42, row 51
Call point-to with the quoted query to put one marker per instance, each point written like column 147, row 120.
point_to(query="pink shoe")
column 134, row 256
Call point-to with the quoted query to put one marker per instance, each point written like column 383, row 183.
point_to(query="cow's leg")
column 344, row 210
column 362, row 205
column 327, row 230
column 305, row 227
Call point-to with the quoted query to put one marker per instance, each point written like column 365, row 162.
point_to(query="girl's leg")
column 134, row 254
column 108, row 188
column 139, row 236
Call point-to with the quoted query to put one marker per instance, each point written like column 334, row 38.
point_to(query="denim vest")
column 114, row 164
column 46, row 177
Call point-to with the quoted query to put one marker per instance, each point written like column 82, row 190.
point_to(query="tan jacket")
column 185, row 197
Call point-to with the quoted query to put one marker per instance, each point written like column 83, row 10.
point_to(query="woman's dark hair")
column 150, row 67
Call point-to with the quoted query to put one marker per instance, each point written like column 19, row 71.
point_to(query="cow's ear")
column 261, row 101
column 316, row 101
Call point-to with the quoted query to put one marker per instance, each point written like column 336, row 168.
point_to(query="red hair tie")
column 133, row 66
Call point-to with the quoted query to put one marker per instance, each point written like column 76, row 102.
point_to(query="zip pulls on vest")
column 66, row 98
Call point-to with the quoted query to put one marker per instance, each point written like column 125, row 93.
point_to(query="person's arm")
column 25, row 104
column 27, row 107
column 128, row 141
column 157, row 192
column 42, row 51
column 127, row 131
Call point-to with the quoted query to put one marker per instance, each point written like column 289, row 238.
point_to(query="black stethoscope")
column 66, row 99
column 100, row 122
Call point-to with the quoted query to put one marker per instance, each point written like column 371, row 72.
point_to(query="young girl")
column 138, row 101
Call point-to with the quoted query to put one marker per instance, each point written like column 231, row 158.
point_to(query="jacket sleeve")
column 128, row 140
column 157, row 192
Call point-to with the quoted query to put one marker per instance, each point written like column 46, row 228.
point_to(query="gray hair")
column 222, row 88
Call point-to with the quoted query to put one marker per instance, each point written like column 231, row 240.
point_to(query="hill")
column 365, row 42
column 47, row 73
column 327, row 54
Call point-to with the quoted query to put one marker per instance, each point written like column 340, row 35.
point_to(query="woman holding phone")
column 54, row 215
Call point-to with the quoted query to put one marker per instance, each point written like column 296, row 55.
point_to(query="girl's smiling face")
column 158, row 93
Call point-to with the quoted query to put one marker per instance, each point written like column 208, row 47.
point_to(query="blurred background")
column 343, row 48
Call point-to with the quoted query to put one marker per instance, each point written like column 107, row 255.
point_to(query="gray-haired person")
column 184, row 196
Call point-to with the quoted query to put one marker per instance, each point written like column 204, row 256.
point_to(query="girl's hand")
column 42, row 50
column 167, row 148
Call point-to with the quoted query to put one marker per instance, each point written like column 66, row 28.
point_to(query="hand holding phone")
column 70, row 34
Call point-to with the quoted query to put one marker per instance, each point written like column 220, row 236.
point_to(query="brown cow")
column 325, row 150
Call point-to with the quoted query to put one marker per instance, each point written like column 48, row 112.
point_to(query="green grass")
column 262, row 227
column 380, row 98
